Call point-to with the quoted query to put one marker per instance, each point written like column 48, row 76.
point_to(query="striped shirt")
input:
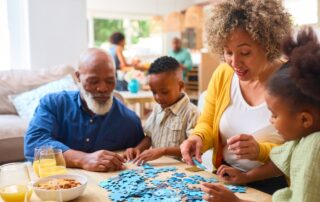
column 169, row 127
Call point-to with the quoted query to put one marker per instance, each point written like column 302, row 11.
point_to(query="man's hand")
column 231, row 175
column 244, row 146
column 102, row 161
column 131, row 154
column 191, row 147
column 218, row 193
column 149, row 155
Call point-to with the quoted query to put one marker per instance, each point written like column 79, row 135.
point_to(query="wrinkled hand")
column 231, row 175
column 191, row 147
column 131, row 154
column 148, row 155
column 218, row 193
column 244, row 146
column 102, row 161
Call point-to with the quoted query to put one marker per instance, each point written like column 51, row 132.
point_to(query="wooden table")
column 94, row 193
column 139, row 98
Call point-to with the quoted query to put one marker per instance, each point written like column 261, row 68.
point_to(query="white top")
column 241, row 118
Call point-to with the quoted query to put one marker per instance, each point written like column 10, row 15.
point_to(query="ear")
column 306, row 119
column 181, row 85
column 77, row 73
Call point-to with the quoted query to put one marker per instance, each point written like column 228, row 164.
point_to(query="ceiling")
column 137, row 8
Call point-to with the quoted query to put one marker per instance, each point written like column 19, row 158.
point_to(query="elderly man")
column 182, row 55
column 87, row 124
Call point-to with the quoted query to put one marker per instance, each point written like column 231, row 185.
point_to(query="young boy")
column 172, row 119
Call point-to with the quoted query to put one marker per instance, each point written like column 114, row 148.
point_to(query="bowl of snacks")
column 60, row 187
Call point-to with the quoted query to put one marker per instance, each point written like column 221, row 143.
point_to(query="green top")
column 300, row 161
column 184, row 58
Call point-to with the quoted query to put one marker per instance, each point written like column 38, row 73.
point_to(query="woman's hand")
column 149, row 155
column 191, row 147
column 218, row 193
column 231, row 175
column 244, row 146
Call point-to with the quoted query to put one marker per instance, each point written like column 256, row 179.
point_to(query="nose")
column 102, row 87
column 158, row 98
column 235, row 61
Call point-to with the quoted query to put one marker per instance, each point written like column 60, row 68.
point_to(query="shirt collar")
column 178, row 107
column 79, row 100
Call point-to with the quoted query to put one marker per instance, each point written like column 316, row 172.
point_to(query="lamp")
column 174, row 22
column 156, row 24
column 194, row 17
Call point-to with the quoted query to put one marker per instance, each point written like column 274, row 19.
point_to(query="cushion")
column 17, row 81
column 25, row 103
column 12, row 131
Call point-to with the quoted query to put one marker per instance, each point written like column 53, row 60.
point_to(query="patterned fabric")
column 25, row 103
column 299, row 160
column 169, row 127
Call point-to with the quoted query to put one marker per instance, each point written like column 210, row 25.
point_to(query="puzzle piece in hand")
column 198, row 164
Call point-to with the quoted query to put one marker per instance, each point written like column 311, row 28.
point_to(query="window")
column 132, row 29
column 303, row 12
column 4, row 37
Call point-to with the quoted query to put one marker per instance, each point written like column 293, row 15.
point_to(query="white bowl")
column 66, row 194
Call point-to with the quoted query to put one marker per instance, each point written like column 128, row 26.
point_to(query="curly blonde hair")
column 265, row 20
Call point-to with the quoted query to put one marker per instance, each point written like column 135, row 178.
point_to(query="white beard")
column 93, row 105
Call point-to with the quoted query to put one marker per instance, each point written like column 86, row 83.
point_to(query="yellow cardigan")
column 216, row 101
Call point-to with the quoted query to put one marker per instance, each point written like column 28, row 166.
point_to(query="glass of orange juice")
column 15, row 185
column 51, row 162
column 37, row 151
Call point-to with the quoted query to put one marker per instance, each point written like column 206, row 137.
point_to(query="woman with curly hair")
column 235, row 120
column 293, row 97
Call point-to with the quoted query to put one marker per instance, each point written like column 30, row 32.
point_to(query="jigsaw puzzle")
column 142, row 185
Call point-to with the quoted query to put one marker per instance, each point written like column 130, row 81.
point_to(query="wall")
column 58, row 31
column 44, row 33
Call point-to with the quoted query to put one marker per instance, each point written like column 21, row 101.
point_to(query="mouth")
column 101, row 99
column 241, row 73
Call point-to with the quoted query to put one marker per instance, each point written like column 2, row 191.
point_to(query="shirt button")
column 87, row 140
column 91, row 121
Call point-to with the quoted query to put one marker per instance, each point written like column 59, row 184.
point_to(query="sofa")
column 13, row 126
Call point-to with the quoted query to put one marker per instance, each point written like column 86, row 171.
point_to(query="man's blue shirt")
column 61, row 121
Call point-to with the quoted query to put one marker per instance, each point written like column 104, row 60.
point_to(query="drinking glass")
column 15, row 183
column 51, row 162
column 37, row 151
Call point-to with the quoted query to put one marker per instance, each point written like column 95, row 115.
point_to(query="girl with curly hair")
column 235, row 121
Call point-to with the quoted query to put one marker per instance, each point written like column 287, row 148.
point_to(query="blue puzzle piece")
column 198, row 164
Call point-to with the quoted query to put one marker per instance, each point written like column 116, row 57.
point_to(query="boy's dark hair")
column 116, row 38
column 299, row 83
column 164, row 64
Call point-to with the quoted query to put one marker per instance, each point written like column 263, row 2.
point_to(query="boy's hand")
column 231, row 175
column 131, row 154
column 218, row 193
column 148, row 155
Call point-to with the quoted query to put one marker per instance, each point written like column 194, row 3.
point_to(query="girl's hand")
column 218, row 193
column 232, row 175
column 244, row 146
